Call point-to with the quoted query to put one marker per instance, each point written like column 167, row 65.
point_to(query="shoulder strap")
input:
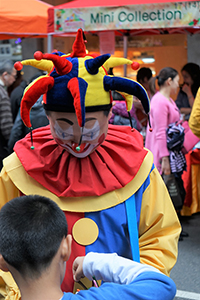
column 132, row 227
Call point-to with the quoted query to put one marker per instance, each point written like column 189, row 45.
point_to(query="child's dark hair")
column 166, row 73
column 31, row 230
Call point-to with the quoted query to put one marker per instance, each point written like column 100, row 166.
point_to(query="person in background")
column 119, row 111
column 16, row 92
column 35, row 247
column 164, row 112
column 120, row 115
column 7, row 77
column 144, row 77
column 188, row 90
column 38, row 119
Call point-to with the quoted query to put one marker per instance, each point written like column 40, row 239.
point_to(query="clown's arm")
column 159, row 227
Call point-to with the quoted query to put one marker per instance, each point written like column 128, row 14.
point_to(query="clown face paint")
column 67, row 133
column 88, row 134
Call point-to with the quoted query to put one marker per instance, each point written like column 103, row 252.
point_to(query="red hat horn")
column 31, row 95
column 79, row 49
column 62, row 65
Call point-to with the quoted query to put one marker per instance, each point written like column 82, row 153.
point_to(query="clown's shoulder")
column 158, row 222
column 16, row 175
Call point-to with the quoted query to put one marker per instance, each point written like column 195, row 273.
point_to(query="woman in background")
column 164, row 111
column 189, row 88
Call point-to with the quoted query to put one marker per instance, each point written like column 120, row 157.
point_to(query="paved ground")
column 186, row 273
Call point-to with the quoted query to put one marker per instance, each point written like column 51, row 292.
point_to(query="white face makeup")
column 88, row 134
column 67, row 133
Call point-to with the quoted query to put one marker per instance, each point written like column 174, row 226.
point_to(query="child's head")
column 32, row 229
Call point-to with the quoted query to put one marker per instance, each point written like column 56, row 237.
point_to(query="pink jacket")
column 163, row 112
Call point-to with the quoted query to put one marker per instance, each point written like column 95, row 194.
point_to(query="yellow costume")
column 194, row 120
column 115, row 187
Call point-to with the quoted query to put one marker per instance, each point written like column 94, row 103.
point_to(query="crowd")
column 83, row 191
column 12, row 128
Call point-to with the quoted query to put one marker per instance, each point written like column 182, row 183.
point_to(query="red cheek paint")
column 58, row 141
column 101, row 138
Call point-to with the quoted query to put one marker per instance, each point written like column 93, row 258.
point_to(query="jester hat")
column 78, row 82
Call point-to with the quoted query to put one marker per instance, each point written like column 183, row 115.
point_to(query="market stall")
column 109, row 19
column 24, row 18
column 141, row 15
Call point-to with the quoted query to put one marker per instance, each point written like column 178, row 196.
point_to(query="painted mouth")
column 85, row 148
column 80, row 148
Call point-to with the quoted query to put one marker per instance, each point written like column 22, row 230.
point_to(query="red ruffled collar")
column 111, row 166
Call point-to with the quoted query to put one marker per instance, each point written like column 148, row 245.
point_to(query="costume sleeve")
column 8, row 287
column 8, row 190
column 125, row 279
column 113, row 268
column 194, row 120
column 159, row 226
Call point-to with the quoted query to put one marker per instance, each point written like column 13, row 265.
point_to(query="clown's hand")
column 77, row 268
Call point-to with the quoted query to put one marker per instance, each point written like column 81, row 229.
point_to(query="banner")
column 158, row 15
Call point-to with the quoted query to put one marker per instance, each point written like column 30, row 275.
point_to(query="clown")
column 100, row 176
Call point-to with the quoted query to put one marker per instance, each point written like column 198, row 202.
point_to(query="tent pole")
column 125, row 52
column 49, row 43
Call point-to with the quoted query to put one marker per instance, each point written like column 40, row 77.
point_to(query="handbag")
column 175, row 136
column 190, row 139
column 174, row 190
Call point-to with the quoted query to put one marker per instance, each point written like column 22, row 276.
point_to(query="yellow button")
column 85, row 231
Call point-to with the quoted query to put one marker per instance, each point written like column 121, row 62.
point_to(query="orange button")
column 85, row 231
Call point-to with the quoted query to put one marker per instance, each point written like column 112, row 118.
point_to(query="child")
column 35, row 246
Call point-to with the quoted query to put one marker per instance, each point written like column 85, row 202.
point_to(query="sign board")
column 158, row 15
column 107, row 42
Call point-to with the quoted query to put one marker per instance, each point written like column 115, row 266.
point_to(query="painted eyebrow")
column 89, row 119
column 71, row 123
column 65, row 120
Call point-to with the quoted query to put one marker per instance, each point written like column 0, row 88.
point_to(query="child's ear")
column 66, row 247
column 3, row 264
